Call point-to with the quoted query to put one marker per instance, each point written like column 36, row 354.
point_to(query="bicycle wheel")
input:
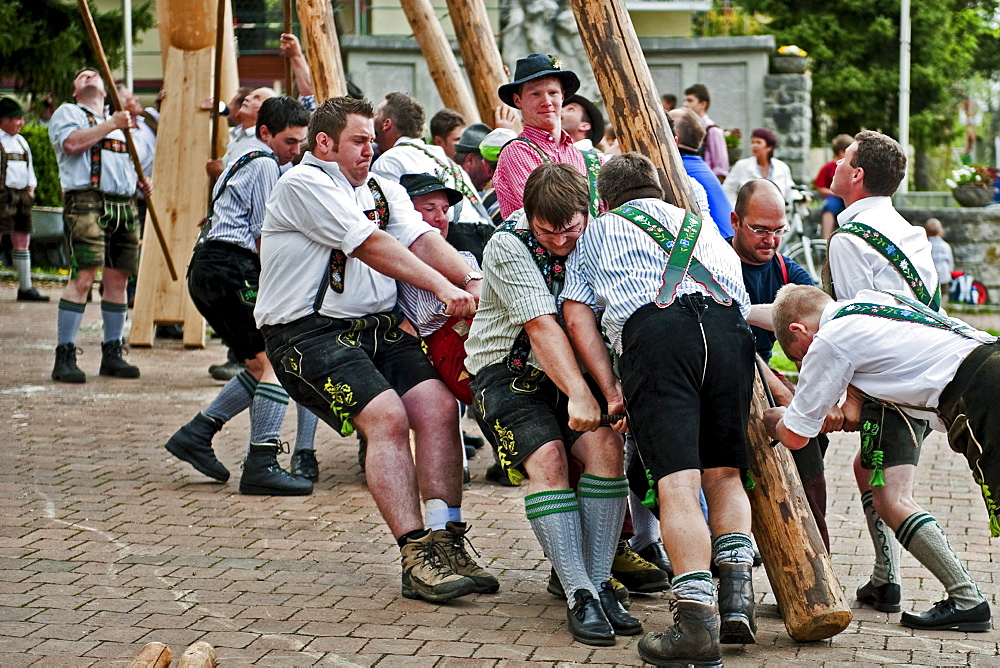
column 981, row 295
column 813, row 261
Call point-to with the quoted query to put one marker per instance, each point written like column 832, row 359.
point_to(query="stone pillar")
column 787, row 111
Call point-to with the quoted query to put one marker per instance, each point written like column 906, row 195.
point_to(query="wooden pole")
column 480, row 54
column 440, row 59
column 629, row 93
column 102, row 61
column 322, row 48
column 286, row 7
column 798, row 567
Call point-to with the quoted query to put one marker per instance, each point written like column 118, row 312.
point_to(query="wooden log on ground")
column 440, row 59
column 809, row 595
column 322, row 48
column 152, row 655
column 480, row 54
column 798, row 567
column 198, row 655
column 183, row 145
column 629, row 94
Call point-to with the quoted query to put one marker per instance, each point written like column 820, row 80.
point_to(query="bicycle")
column 797, row 243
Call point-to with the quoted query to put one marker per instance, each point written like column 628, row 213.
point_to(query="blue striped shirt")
column 238, row 214
column 616, row 264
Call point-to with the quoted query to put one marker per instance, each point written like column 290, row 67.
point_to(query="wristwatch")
column 471, row 276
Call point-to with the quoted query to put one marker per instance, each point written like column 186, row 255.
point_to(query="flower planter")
column 973, row 195
column 782, row 64
column 735, row 153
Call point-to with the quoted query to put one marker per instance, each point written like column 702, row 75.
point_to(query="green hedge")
column 48, row 192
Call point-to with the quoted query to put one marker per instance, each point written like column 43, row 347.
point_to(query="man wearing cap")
column 539, row 87
column 464, row 236
column 583, row 121
column 17, row 190
column 399, row 126
column 490, row 149
column 99, row 185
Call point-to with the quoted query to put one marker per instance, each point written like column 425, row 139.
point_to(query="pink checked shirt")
column 518, row 160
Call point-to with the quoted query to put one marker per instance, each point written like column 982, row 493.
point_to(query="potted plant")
column 972, row 185
column 734, row 144
column 789, row 59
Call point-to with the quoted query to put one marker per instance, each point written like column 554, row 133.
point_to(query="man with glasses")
column 758, row 226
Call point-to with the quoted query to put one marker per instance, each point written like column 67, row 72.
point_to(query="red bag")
column 446, row 351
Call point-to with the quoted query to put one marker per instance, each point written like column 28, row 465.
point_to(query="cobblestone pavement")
column 107, row 542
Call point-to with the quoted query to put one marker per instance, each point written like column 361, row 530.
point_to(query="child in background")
column 944, row 261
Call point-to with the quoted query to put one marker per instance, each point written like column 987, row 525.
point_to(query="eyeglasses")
column 571, row 233
column 767, row 232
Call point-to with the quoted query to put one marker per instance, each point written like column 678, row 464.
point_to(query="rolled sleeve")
column 516, row 280
column 64, row 121
column 826, row 373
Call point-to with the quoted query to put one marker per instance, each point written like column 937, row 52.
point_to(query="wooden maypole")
column 798, row 566
column 440, row 59
column 480, row 54
column 322, row 48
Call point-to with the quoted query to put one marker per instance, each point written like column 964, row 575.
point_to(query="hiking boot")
column 66, row 370
column 555, row 588
column 31, row 295
column 192, row 443
column 656, row 554
column 262, row 475
column 637, row 574
column 587, row 623
column 693, row 639
column 623, row 623
column 112, row 363
column 226, row 371
column 453, row 539
column 884, row 598
column 427, row 573
column 304, row 465
column 736, row 604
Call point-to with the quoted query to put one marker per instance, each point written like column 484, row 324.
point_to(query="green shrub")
column 48, row 192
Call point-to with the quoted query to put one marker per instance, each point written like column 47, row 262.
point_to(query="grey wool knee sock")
column 305, row 431
column 114, row 316
column 269, row 404
column 732, row 548
column 923, row 537
column 602, row 508
column 234, row 398
column 887, row 548
column 555, row 519
column 70, row 315
column 694, row 586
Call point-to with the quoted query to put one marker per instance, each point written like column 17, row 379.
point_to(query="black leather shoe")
column 587, row 623
column 656, row 554
column 944, row 617
column 884, row 598
column 112, row 363
column 192, row 443
column 31, row 295
column 65, row 369
column 623, row 623
column 737, row 611
column 304, row 465
column 555, row 588
column 262, row 475
column 474, row 441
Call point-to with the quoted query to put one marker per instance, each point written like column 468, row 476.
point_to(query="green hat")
column 534, row 67
column 9, row 108
column 425, row 184
column 494, row 142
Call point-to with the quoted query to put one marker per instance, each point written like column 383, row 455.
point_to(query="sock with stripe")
column 694, row 586
column 113, row 316
column 305, row 428
column 68, row 323
column 234, row 398
column 22, row 263
column 733, row 548
column 269, row 404
column 923, row 537
column 555, row 519
column 602, row 508
column 887, row 548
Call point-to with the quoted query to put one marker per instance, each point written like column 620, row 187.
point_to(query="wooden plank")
column 440, row 59
column 322, row 48
column 480, row 54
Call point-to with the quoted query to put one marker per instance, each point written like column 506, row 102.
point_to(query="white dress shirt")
column 748, row 169
column 117, row 173
column 20, row 173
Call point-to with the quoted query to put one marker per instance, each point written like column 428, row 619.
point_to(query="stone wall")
column 786, row 111
column 972, row 233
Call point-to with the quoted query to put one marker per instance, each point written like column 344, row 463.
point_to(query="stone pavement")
column 107, row 542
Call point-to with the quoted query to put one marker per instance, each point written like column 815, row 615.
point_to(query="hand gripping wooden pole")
column 480, row 54
column 322, row 48
column 440, row 59
column 798, row 567
column 102, row 61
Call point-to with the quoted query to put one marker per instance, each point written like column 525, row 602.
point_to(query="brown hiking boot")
column 692, row 640
column 427, row 573
column 637, row 574
column 453, row 539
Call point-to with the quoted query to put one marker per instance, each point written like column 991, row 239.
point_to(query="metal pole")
column 904, row 85
column 127, row 29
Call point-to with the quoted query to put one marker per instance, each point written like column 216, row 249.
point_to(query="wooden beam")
column 440, row 59
column 480, row 54
column 322, row 48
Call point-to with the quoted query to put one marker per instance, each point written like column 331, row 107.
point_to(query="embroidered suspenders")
column 106, row 144
column 591, row 159
column 6, row 157
column 680, row 251
column 914, row 311
column 237, row 166
column 895, row 256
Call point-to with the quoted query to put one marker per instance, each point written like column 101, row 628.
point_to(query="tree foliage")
column 854, row 46
column 43, row 42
